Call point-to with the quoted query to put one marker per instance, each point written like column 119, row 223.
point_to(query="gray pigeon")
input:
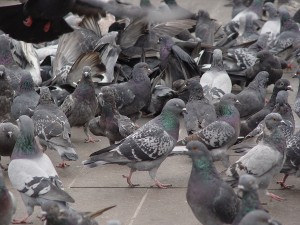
column 252, row 98
column 32, row 173
column 147, row 147
column 237, row 7
column 212, row 201
column 111, row 123
column 8, row 204
column 8, row 135
column 272, row 26
column 247, row 32
column 259, row 217
column 135, row 94
column 52, row 127
column 200, row 112
column 254, row 10
column 81, row 106
column 247, row 191
column 221, row 134
column 27, row 99
column 266, row 159
column 205, row 27
column 6, row 95
column 297, row 100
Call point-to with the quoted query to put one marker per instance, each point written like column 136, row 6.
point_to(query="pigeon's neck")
column 141, row 78
column 272, row 13
column 272, row 101
column 85, row 90
column 203, row 167
column 217, row 65
column 171, row 2
column 196, row 95
column 170, row 123
column 109, row 109
column 289, row 25
column 276, row 139
column 26, row 147
column 145, row 3
column 164, row 55
column 229, row 114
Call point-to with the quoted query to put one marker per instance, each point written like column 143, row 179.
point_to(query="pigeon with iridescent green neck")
column 8, row 207
column 32, row 173
column 147, row 147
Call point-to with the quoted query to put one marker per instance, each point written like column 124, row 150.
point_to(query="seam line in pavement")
column 138, row 209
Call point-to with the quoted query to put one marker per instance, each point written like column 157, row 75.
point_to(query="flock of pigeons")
column 115, row 62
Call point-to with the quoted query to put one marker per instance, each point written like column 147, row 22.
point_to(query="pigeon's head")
column 229, row 99
column 141, row 71
column 270, row 8
column 194, row 87
column 262, row 55
column 86, row 72
column 26, row 82
column 2, row 71
column 197, row 150
column 274, row 120
column 106, row 95
column 262, row 77
column 166, row 41
column 25, row 124
column 175, row 106
column 203, row 14
column 282, row 97
column 45, row 96
column 283, row 84
column 247, row 183
column 284, row 14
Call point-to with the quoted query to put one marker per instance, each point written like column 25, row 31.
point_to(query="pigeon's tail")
column 112, row 157
column 66, row 153
column 179, row 150
column 92, row 163
column 231, row 181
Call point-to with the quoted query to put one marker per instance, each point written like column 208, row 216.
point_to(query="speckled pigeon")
column 27, row 100
column 252, row 98
column 8, row 207
column 200, row 112
column 247, row 191
column 221, row 134
column 216, row 81
column 297, row 100
column 135, row 94
column 81, row 106
column 147, row 147
column 6, row 95
column 272, row 26
column 111, row 123
column 212, row 201
column 8, row 135
column 259, row 217
column 32, row 173
column 52, row 127
column 266, row 159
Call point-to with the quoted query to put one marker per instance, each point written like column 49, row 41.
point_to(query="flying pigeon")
column 147, row 147
column 52, row 127
column 212, row 201
column 32, row 173
column 80, row 106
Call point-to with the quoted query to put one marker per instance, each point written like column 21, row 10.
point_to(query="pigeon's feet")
column 63, row 165
column 28, row 21
column 47, row 27
column 91, row 140
column 21, row 221
column 275, row 197
column 160, row 185
column 128, row 178
column 283, row 185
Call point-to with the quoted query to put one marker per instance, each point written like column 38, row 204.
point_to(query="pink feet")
column 90, row 140
column 21, row 221
column 275, row 197
column 28, row 21
column 282, row 183
column 160, row 185
column 128, row 178
column 63, row 165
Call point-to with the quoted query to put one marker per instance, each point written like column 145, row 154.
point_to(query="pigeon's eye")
column 177, row 105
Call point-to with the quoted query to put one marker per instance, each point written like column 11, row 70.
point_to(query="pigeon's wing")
column 126, row 126
column 68, row 105
column 28, row 178
column 124, row 95
column 258, row 161
column 226, row 199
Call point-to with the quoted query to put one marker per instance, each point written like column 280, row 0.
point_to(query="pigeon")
column 8, row 135
column 252, row 98
column 129, row 98
column 266, row 61
column 80, row 106
column 6, row 95
column 297, row 101
column 200, row 112
column 52, row 127
column 111, row 123
column 259, row 217
column 247, row 191
column 221, row 134
column 212, row 201
column 250, row 124
column 216, row 81
column 175, row 62
column 27, row 99
column 32, row 173
column 8, row 203
column 56, row 216
column 266, row 159
column 273, row 24
column 205, row 27
column 237, row 7
column 147, row 147
column 254, row 10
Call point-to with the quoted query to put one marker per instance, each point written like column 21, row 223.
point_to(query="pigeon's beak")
column 9, row 134
column 18, row 122
column 282, row 122
column 86, row 74
column 149, row 71
column 1, row 73
column 184, row 110
column 237, row 102
column 290, row 88
column 240, row 191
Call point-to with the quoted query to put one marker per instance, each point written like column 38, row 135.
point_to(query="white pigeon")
column 32, row 173
column 216, row 81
